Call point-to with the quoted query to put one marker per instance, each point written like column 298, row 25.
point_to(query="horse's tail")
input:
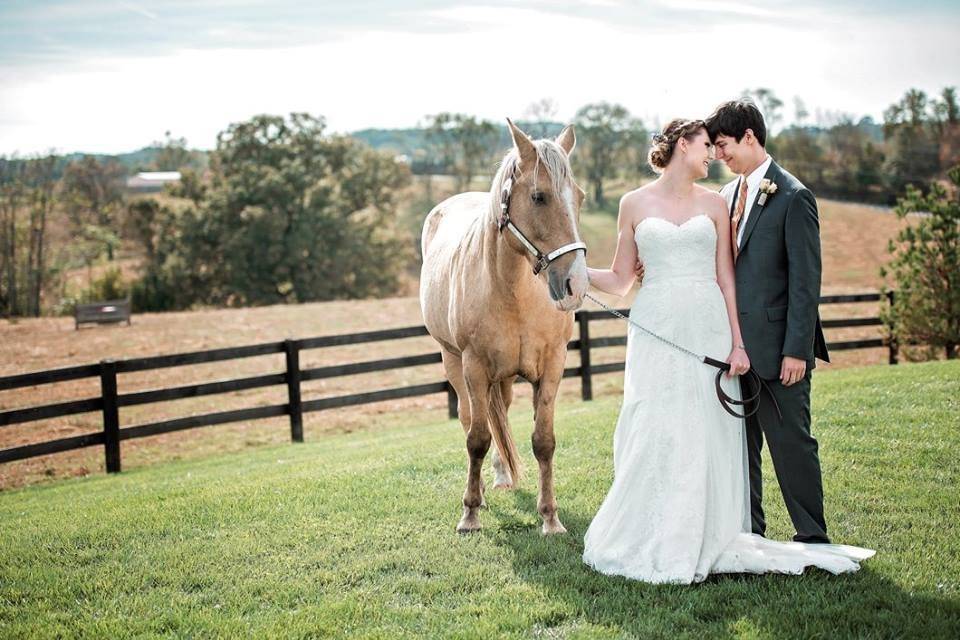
column 502, row 437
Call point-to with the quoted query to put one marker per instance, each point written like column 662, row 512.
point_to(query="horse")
column 500, row 307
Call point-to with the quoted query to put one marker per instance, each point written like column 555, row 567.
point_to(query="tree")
column 12, row 195
column 41, row 184
column 172, row 155
column 26, row 201
column 605, row 135
column 540, row 114
column 291, row 215
column 769, row 104
column 912, row 148
column 946, row 111
column 93, row 197
column 465, row 145
column 800, row 151
column 801, row 113
column 946, row 114
column 849, row 161
column 146, row 221
column 190, row 186
column 926, row 268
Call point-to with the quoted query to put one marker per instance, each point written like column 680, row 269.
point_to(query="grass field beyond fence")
column 353, row 535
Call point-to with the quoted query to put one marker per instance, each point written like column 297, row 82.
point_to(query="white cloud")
column 139, row 10
column 491, row 62
column 710, row 6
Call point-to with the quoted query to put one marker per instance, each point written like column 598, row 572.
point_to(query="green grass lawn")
column 353, row 535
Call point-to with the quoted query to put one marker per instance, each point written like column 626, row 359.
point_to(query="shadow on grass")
column 864, row 604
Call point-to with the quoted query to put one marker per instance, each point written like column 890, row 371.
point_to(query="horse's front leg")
column 478, row 441
column 453, row 365
column 544, row 443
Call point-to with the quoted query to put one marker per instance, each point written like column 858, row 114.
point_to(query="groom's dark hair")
column 734, row 118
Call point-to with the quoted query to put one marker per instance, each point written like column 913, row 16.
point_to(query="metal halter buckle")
column 541, row 264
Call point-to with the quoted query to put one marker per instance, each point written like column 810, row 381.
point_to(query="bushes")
column 926, row 268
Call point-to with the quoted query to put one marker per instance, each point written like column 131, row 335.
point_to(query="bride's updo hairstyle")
column 664, row 143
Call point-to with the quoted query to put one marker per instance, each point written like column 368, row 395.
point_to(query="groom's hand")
column 638, row 269
column 792, row 370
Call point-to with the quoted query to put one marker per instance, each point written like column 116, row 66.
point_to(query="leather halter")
column 543, row 259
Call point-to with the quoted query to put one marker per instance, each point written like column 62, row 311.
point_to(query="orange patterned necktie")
column 737, row 215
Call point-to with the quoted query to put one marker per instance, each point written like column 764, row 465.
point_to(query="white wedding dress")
column 678, row 509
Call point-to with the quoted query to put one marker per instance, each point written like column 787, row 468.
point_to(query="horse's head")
column 544, row 205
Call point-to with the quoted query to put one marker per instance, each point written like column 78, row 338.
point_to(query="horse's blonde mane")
column 549, row 154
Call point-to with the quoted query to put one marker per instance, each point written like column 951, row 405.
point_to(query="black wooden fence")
column 110, row 401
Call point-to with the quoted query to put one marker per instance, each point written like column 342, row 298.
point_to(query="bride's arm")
column 726, row 279
column 619, row 278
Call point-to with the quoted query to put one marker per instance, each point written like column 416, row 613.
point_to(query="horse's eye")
column 538, row 197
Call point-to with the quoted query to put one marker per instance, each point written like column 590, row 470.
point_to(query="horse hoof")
column 502, row 480
column 553, row 527
column 468, row 525
column 469, row 522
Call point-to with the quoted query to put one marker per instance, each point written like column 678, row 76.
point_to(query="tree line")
column 839, row 156
column 281, row 211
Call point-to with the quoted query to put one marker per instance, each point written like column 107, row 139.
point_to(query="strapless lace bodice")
column 670, row 251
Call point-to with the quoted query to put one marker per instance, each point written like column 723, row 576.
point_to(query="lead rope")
column 722, row 367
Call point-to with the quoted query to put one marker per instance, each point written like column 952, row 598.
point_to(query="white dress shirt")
column 753, row 187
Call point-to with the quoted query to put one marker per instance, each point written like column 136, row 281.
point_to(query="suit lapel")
column 756, row 211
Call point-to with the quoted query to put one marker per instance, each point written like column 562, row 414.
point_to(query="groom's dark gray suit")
column 778, row 291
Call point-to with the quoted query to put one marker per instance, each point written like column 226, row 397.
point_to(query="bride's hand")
column 738, row 361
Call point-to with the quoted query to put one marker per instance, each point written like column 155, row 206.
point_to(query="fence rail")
column 110, row 401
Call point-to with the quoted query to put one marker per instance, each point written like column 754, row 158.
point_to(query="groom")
column 776, row 243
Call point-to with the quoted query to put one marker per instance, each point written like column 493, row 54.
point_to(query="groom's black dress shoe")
column 811, row 539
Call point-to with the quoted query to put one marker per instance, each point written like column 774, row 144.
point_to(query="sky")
column 112, row 77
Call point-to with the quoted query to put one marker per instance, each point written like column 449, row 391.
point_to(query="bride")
column 678, row 509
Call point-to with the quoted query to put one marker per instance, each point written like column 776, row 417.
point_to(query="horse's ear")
column 567, row 139
column 523, row 143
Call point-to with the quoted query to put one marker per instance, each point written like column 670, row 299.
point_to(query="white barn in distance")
column 152, row 181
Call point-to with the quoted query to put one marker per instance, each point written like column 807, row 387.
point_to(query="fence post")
column 586, row 378
column 111, row 415
column 292, row 349
column 452, row 410
column 894, row 347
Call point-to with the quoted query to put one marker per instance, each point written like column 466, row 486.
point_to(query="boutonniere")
column 767, row 188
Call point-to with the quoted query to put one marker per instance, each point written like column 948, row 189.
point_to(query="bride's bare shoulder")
column 633, row 204
column 707, row 194
column 711, row 201
column 639, row 195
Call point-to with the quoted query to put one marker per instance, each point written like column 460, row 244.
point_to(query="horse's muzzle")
column 567, row 280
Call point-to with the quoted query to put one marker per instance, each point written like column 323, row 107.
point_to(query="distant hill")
column 866, row 124
column 399, row 141
column 411, row 142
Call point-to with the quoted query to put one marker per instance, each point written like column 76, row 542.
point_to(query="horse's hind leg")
column 544, row 443
column 478, row 440
column 453, row 366
column 502, row 479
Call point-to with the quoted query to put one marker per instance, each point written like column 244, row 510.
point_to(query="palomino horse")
column 498, row 311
